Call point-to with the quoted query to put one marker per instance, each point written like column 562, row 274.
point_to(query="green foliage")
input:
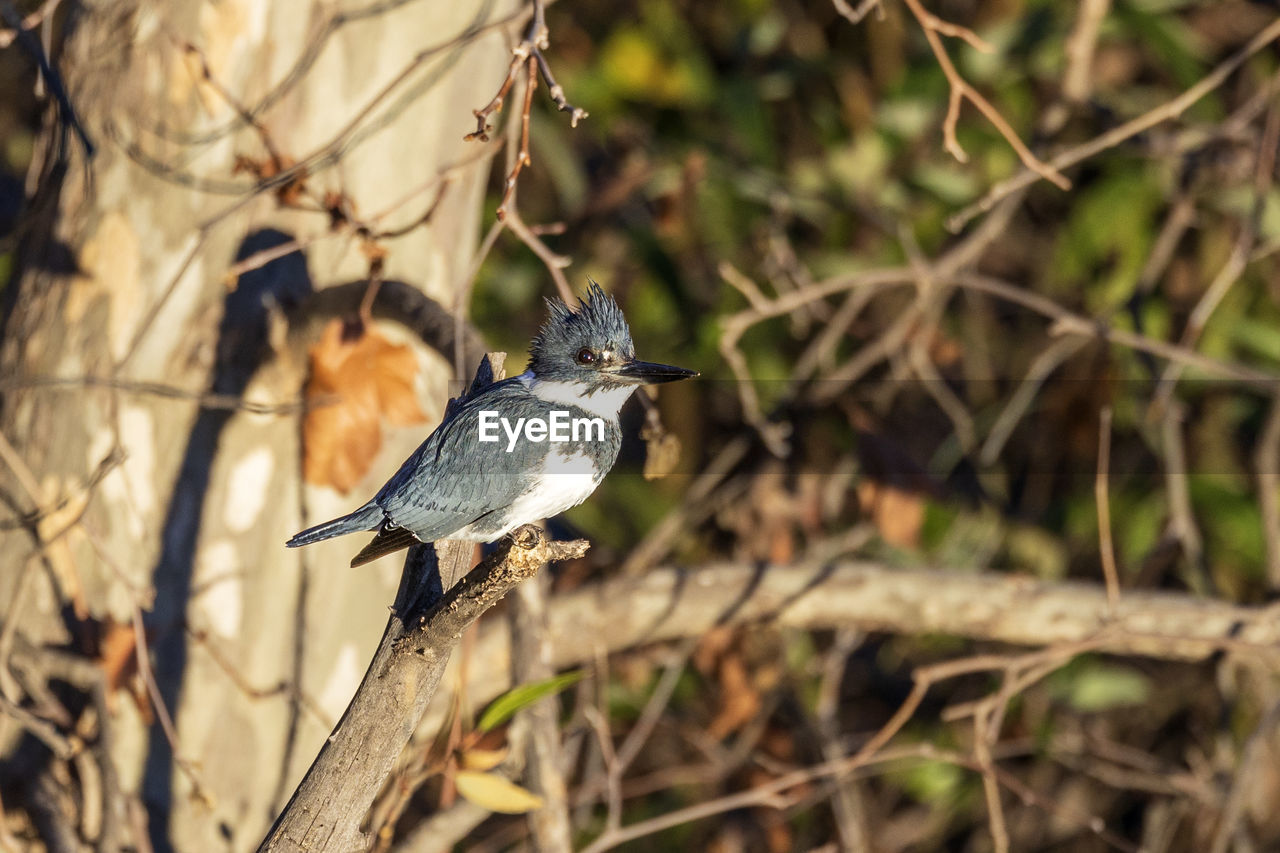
column 1108, row 237
column 522, row 696
column 1090, row 685
column 782, row 140
column 936, row 783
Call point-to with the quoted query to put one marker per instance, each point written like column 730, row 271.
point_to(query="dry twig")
column 1077, row 154
column 1102, row 498
column 934, row 27
column 30, row 22
column 855, row 15
column 1267, row 465
column 528, row 54
column 327, row 810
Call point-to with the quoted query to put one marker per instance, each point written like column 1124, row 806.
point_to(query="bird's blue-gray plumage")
column 455, row 486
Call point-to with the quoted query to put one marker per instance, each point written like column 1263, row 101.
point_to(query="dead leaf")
column 713, row 645
column 291, row 193
column 898, row 515
column 493, row 792
column 354, row 385
column 945, row 351
column 661, row 451
column 482, row 759
column 118, row 658
column 266, row 168
column 739, row 700
column 373, row 251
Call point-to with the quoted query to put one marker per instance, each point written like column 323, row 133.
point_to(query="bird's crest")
column 597, row 319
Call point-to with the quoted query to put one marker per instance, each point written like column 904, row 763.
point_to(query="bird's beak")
column 648, row 373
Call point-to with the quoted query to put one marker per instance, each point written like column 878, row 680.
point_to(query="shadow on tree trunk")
column 242, row 345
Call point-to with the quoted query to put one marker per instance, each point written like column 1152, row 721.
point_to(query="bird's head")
column 591, row 346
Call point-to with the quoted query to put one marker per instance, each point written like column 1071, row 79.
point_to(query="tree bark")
column 668, row 604
column 531, row 654
column 327, row 810
column 123, row 280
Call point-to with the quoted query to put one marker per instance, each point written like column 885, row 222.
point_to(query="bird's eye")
column 586, row 356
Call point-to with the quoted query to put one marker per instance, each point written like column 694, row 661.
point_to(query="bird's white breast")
column 564, row 482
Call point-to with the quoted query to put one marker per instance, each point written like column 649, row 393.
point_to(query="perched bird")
column 519, row 450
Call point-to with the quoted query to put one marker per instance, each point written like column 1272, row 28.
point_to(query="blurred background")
column 966, row 539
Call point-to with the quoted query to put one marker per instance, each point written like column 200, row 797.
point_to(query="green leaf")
column 932, row 782
column 1261, row 337
column 493, row 792
column 501, row 709
column 1101, row 687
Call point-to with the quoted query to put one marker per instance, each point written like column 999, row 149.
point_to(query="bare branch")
column 666, row 604
column 528, row 54
column 1102, row 497
column 855, row 15
column 961, row 91
column 326, row 811
column 1115, row 136
column 1267, row 464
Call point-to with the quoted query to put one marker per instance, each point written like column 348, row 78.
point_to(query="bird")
column 476, row 478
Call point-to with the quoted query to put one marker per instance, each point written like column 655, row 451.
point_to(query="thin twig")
column 1166, row 111
column 1267, row 464
column 1102, row 497
column 990, row 786
column 205, row 400
column 242, row 112
column 612, row 770
column 282, row 688
column 555, row 263
column 961, row 91
column 1256, row 756
column 522, row 158
column 42, row 730
column 644, row 725
column 527, row 54
column 771, row 794
column 1182, row 520
column 1024, row 394
column 1237, row 260
column 855, row 15
column 30, row 22
column 1069, row 323
column 142, row 655
column 1077, row 82
column 846, row 795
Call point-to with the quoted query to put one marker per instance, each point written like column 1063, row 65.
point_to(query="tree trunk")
column 126, row 282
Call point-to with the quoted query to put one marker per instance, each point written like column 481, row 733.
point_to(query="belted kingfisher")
column 468, row 481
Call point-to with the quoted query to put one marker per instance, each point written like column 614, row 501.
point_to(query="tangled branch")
column 961, row 90
column 527, row 55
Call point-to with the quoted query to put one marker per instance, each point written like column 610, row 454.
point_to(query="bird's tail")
column 367, row 517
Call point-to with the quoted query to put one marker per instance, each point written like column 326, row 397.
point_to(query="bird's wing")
column 453, row 478
column 388, row 540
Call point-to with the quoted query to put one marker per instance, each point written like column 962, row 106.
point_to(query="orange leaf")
column 117, row 654
column 374, row 251
column 371, row 379
column 739, row 700
column 897, row 514
column 118, row 657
